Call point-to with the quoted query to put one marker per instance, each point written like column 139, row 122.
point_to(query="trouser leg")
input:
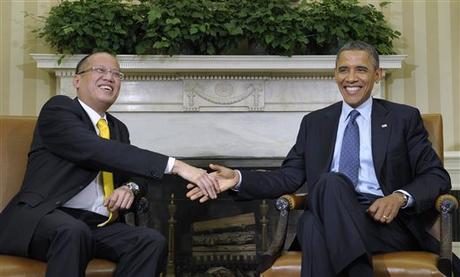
column 332, row 201
column 138, row 251
column 315, row 257
column 349, row 233
column 64, row 242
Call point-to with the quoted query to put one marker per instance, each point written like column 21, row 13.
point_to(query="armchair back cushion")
column 15, row 137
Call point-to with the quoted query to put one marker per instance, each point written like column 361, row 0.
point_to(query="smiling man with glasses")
column 81, row 173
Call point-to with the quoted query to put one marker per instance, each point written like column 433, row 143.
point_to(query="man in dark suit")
column 371, row 173
column 79, row 179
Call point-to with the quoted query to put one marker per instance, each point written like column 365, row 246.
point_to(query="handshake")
column 204, row 186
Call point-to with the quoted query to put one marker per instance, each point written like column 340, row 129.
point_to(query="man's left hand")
column 121, row 198
column 385, row 209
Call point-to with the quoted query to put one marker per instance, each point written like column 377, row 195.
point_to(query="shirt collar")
column 365, row 109
column 93, row 115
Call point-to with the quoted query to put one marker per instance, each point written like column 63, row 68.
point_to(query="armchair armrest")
column 284, row 205
column 295, row 201
column 138, row 216
column 446, row 204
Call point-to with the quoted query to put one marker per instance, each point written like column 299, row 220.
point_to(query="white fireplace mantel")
column 221, row 63
column 217, row 106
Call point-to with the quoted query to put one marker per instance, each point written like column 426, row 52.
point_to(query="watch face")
column 134, row 187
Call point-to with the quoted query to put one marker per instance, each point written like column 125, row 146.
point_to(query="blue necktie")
column 349, row 154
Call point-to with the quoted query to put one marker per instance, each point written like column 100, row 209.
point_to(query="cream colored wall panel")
column 420, row 56
column 4, row 55
column 29, row 69
column 395, row 87
column 407, row 39
column 23, row 88
column 432, row 56
column 455, row 42
column 16, row 78
column 445, row 74
column 45, row 82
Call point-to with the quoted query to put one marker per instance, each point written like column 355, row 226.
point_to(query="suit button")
column 58, row 203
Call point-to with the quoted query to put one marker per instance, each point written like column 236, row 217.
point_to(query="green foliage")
column 200, row 27
column 210, row 27
column 91, row 25
column 276, row 26
column 337, row 21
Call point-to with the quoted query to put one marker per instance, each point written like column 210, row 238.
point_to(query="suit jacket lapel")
column 329, row 134
column 381, row 129
column 114, row 132
column 85, row 116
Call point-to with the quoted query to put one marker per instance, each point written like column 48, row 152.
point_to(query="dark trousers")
column 336, row 234
column 68, row 242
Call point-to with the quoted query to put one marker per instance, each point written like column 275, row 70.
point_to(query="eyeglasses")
column 102, row 70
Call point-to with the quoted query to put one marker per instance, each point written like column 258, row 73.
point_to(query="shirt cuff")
column 170, row 165
column 410, row 199
column 238, row 185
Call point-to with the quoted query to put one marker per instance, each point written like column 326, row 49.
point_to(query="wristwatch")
column 133, row 187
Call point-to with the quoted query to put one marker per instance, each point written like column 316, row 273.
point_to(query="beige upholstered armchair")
column 278, row 261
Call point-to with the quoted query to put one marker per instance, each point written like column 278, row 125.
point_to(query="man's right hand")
column 207, row 184
column 227, row 178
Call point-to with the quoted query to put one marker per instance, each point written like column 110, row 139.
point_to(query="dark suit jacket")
column 403, row 159
column 65, row 156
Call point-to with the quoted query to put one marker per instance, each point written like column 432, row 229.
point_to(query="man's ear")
column 379, row 73
column 76, row 81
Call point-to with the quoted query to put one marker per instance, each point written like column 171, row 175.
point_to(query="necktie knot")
column 353, row 115
column 103, row 128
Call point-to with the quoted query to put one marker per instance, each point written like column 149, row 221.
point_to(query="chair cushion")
column 410, row 263
column 20, row 266
column 287, row 265
column 16, row 134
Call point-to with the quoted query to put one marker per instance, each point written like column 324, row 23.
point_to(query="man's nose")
column 351, row 76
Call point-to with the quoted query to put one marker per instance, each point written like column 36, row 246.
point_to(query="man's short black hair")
column 81, row 63
column 363, row 46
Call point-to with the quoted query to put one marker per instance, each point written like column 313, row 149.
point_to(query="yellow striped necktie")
column 107, row 177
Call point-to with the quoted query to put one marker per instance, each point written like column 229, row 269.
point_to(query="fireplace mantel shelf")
column 221, row 63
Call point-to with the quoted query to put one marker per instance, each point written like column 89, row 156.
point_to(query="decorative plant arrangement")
column 213, row 27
